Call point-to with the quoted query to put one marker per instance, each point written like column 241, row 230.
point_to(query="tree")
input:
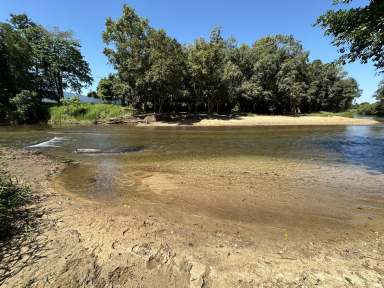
column 26, row 107
column 166, row 70
column 211, row 72
column 57, row 61
column 357, row 32
column 276, row 78
column 127, row 50
column 155, row 73
column 36, row 63
column 63, row 64
column 105, row 89
column 150, row 65
column 15, row 63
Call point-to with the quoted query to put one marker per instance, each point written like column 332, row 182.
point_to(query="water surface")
column 120, row 147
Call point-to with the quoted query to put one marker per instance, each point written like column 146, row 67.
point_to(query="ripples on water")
column 358, row 145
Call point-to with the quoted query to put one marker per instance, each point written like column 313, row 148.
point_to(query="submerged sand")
column 261, row 120
column 231, row 222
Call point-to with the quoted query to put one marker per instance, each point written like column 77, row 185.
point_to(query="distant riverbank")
column 105, row 114
column 264, row 120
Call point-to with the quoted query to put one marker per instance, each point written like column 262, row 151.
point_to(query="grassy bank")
column 85, row 112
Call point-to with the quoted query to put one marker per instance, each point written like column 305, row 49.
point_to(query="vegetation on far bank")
column 155, row 73
column 13, row 196
column 36, row 63
column 72, row 111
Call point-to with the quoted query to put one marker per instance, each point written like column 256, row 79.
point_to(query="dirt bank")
column 260, row 120
column 224, row 223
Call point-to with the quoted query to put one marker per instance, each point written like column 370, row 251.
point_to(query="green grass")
column 85, row 112
column 13, row 196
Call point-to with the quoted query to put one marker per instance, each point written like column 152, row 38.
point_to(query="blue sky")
column 246, row 20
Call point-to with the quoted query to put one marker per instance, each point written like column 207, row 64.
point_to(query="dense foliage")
column 12, row 197
column 156, row 73
column 358, row 32
column 73, row 111
column 379, row 95
column 35, row 64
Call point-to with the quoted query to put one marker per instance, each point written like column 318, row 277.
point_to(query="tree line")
column 358, row 33
column 155, row 73
column 36, row 63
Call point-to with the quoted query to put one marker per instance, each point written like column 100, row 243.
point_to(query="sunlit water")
column 105, row 151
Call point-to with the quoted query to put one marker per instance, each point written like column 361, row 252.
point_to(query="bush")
column 366, row 108
column 13, row 196
column 26, row 107
column 74, row 111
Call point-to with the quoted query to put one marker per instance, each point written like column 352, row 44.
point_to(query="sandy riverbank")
column 260, row 120
column 215, row 223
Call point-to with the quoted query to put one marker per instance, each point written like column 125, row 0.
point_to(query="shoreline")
column 226, row 121
column 264, row 120
column 85, row 242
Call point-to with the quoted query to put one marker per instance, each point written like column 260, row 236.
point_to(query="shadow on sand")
column 26, row 243
column 190, row 119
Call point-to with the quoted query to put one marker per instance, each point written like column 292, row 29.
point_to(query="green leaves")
column 357, row 32
column 379, row 95
column 155, row 73
column 35, row 64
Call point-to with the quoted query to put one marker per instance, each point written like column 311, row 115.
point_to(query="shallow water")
column 114, row 149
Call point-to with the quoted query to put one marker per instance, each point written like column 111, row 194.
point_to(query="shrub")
column 366, row 108
column 26, row 107
column 73, row 111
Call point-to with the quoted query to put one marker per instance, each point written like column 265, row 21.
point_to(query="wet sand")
column 225, row 222
column 261, row 120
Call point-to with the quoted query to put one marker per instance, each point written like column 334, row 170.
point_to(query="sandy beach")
column 261, row 120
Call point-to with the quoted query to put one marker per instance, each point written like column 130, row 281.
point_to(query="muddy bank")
column 224, row 223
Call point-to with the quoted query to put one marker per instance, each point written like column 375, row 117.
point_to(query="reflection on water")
column 359, row 145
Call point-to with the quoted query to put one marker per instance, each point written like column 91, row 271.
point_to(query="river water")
column 104, row 151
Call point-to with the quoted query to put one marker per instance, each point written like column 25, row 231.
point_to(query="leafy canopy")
column 358, row 32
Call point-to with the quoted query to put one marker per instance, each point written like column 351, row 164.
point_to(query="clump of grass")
column 13, row 196
column 73, row 111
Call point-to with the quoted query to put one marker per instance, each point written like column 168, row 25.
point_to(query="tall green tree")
column 105, row 89
column 216, row 75
column 166, row 70
column 211, row 72
column 112, row 89
column 36, row 63
column 358, row 32
column 128, row 51
column 15, row 64
column 57, row 62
